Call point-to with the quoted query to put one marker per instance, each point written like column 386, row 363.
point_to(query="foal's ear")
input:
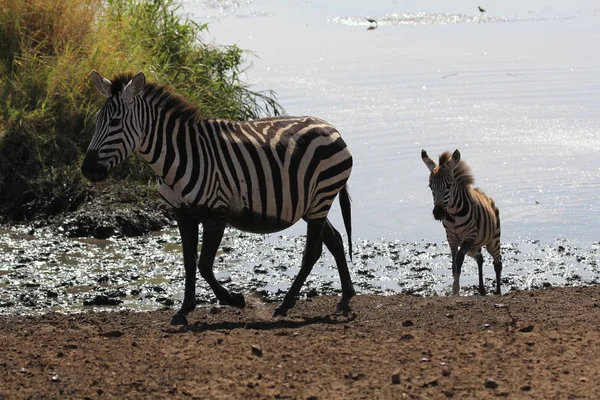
column 455, row 158
column 102, row 84
column 427, row 160
column 134, row 87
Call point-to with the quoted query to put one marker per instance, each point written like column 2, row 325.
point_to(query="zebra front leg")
column 459, row 258
column 312, row 252
column 212, row 233
column 333, row 241
column 455, row 277
column 188, row 230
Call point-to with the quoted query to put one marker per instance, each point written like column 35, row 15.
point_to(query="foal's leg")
column 333, row 241
column 188, row 230
column 312, row 252
column 494, row 250
column 212, row 233
column 459, row 258
column 479, row 258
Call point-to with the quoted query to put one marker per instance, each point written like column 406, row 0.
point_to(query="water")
column 515, row 89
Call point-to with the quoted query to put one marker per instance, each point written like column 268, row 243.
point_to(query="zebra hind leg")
column 333, row 241
column 312, row 252
column 495, row 253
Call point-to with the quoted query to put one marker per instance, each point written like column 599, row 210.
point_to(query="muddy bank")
column 538, row 344
column 42, row 269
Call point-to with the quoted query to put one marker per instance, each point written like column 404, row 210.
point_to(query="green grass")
column 47, row 101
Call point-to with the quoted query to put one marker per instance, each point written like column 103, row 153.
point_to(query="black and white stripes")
column 470, row 217
column 259, row 176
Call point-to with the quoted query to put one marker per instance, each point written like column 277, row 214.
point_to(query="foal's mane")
column 462, row 173
column 180, row 106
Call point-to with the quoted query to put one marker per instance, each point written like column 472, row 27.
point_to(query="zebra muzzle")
column 439, row 213
column 91, row 169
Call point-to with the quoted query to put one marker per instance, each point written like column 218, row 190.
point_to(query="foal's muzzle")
column 439, row 213
column 91, row 169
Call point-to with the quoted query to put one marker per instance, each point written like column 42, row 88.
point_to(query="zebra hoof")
column 279, row 312
column 237, row 300
column 179, row 319
column 343, row 307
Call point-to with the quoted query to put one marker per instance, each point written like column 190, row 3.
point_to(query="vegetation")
column 47, row 101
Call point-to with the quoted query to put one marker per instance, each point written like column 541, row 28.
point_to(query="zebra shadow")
column 199, row 327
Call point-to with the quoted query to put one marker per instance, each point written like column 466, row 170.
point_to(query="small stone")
column 490, row 383
column 525, row 388
column 396, row 379
column 112, row 334
column 526, row 329
column 407, row 323
column 407, row 336
column 220, row 340
column 55, row 378
column 485, row 327
column 312, row 398
column 449, row 316
column 498, row 305
column 445, row 372
column 257, row 351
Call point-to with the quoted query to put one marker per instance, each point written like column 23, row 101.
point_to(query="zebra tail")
column 346, row 215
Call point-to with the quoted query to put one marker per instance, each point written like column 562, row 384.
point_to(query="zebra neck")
column 172, row 147
column 458, row 203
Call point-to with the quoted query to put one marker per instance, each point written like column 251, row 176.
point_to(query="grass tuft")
column 47, row 101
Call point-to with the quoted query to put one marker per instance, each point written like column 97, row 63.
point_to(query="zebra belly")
column 256, row 223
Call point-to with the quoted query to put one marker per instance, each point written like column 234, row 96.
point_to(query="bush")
column 47, row 101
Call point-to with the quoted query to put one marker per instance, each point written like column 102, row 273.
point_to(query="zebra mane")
column 180, row 106
column 462, row 173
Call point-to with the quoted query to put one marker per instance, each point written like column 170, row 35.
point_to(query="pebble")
column 490, row 383
column 526, row 329
column 257, row 351
column 396, row 379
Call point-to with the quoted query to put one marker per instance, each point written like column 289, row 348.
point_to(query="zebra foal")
column 259, row 176
column 470, row 217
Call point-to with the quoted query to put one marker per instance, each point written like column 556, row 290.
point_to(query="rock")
column 407, row 336
column 112, row 334
column 490, row 383
column 407, row 323
column 526, row 329
column 102, row 300
column 257, row 351
column 396, row 379
column 525, row 388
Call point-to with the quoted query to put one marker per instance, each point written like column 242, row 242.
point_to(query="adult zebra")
column 259, row 176
column 470, row 217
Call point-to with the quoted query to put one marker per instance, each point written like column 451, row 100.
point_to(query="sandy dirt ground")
column 541, row 344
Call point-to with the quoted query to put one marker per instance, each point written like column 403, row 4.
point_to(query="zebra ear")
column 427, row 160
column 456, row 157
column 134, row 87
column 102, row 84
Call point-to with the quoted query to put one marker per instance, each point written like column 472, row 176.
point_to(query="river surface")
column 515, row 88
